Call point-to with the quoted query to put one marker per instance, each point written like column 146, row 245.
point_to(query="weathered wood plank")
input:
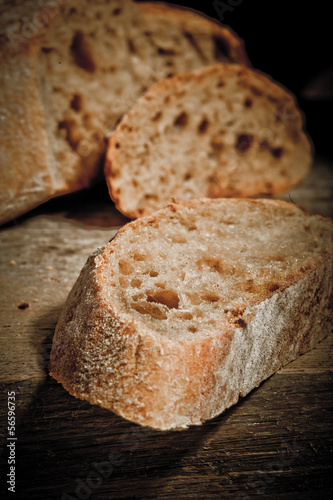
column 275, row 443
column 40, row 261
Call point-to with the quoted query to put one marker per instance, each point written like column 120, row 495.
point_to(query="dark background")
column 292, row 42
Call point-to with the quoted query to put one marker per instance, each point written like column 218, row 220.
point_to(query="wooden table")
column 275, row 443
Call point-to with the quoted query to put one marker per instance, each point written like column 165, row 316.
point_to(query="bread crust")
column 101, row 354
column 26, row 176
column 35, row 169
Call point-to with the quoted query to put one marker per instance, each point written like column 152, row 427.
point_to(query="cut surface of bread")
column 222, row 131
column 189, row 308
column 70, row 71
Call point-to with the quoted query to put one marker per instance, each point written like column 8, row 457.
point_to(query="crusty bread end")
column 188, row 309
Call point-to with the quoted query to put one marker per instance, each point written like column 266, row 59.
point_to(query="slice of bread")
column 189, row 308
column 70, row 71
column 223, row 131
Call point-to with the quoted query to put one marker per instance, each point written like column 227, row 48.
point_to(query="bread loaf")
column 222, row 131
column 188, row 309
column 71, row 70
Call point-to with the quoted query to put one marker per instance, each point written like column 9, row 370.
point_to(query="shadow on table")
column 67, row 448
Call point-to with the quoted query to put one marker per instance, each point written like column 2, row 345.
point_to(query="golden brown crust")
column 26, row 176
column 102, row 353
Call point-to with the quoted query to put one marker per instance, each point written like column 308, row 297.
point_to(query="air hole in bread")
column 168, row 298
column 165, row 52
column 76, row 102
column 244, row 142
column 192, row 40
column 150, row 308
column 136, row 282
column 192, row 227
column 210, row 297
column 72, row 133
column 88, row 121
column 192, row 329
column 215, row 264
column 217, row 146
column 109, row 30
column 131, row 46
column 123, row 281
column 277, row 152
column 220, row 84
column 240, row 322
column 186, row 315
column 178, row 238
column 150, row 196
column 153, row 274
column 187, row 176
column 47, row 50
column 248, row 102
column 194, row 298
column 116, row 12
column 203, row 126
column 198, row 313
column 82, row 53
column 181, row 120
column 156, row 116
column 211, row 156
column 117, row 145
column 139, row 256
column 221, row 49
column 125, row 266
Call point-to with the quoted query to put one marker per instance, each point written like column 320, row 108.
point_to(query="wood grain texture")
column 275, row 443
column 40, row 260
